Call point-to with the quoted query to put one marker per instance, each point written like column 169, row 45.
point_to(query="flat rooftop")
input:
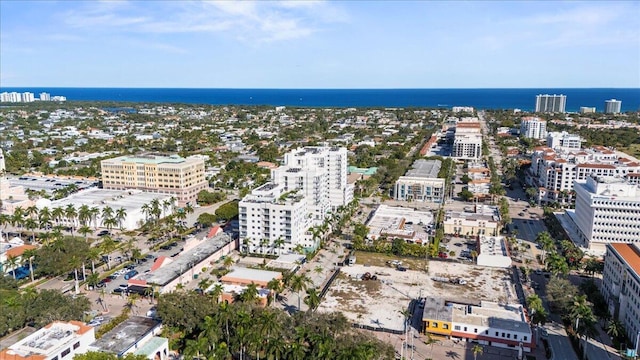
column 185, row 261
column 125, row 335
column 425, row 168
column 493, row 245
column 130, row 200
column 250, row 275
column 148, row 159
column 49, row 184
column 47, row 340
column 436, row 309
column 497, row 316
column 399, row 221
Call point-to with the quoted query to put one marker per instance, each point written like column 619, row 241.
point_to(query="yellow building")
column 175, row 175
column 436, row 317
column 485, row 220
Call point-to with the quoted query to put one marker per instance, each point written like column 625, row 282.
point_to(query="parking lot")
column 50, row 184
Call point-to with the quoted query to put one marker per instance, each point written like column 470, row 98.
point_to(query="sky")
column 320, row 44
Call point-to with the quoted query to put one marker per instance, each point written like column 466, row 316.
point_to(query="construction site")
column 378, row 295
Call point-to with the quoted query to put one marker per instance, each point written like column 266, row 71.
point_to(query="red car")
column 443, row 255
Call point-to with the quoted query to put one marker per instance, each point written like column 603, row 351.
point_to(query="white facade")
column 587, row 110
column 45, row 96
column 621, row 285
column 58, row 340
column 607, row 210
column 304, row 191
column 554, row 172
column 533, row 127
column 563, row 140
column 10, row 97
column 419, row 189
column 27, row 97
column 492, row 324
column 551, row 103
column 269, row 213
column 612, row 106
column 467, row 140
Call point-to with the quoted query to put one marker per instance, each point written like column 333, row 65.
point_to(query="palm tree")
column 109, row 223
column 299, row 283
column 250, row 294
column 107, row 246
column 477, row 349
column 28, row 255
column 228, row 262
column 93, row 279
column 12, row 263
column 85, row 230
column 615, row 328
column 94, row 212
column 93, row 255
column 276, row 287
column 121, row 215
column 279, row 243
column 245, row 245
column 107, row 213
column 263, row 243
column 217, row 292
column 31, row 224
column 84, row 215
column 312, row 299
column 70, row 214
column 57, row 214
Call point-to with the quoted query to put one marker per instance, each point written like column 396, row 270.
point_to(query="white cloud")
column 252, row 21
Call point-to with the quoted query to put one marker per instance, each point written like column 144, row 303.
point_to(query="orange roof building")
column 621, row 283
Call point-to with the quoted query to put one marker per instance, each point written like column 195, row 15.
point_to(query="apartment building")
column 420, row 183
column 612, row 106
column 621, row 285
column 607, row 210
column 563, row 141
column 551, row 103
column 533, row 127
column 56, row 341
column 302, row 193
column 270, row 213
column 484, row 220
column 489, row 323
column 553, row 172
column 467, row 140
column 181, row 177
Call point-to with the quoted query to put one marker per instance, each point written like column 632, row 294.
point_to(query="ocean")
column 523, row 99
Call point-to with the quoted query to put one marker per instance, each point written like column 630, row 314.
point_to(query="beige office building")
column 175, row 175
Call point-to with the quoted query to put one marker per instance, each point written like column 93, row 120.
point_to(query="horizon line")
column 319, row 88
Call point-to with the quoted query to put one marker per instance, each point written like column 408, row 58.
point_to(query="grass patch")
column 633, row 150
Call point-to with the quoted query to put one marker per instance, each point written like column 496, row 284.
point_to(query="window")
column 502, row 334
column 434, row 325
column 515, row 336
column 457, row 327
column 508, row 336
column 445, row 326
column 497, row 333
column 65, row 353
column 525, row 338
column 465, row 328
column 76, row 345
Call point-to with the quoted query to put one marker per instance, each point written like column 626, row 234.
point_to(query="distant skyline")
column 320, row 44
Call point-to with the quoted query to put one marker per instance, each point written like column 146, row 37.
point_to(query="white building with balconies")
column 621, row 285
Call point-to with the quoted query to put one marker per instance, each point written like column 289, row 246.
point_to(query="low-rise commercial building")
column 467, row 141
column 484, row 220
column 56, row 341
column 563, row 141
column 621, row 285
column 138, row 336
column 399, row 222
column 493, row 252
column 489, row 323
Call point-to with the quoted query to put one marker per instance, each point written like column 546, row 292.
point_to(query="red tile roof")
column 630, row 254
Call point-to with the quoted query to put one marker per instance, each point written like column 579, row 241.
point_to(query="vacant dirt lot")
column 380, row 302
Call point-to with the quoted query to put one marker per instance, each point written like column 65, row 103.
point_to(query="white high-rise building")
column 45, row 96
column 607, row 210
column 613, row 106
column 551, row 103
column 312, row 183
column 27, row 97
column 563, row 140
column 467, row 141
column 533, row 127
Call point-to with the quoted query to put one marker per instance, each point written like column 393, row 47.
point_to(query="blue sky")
column 320, row 44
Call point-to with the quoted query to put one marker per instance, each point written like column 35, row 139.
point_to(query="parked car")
column 130, row 274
